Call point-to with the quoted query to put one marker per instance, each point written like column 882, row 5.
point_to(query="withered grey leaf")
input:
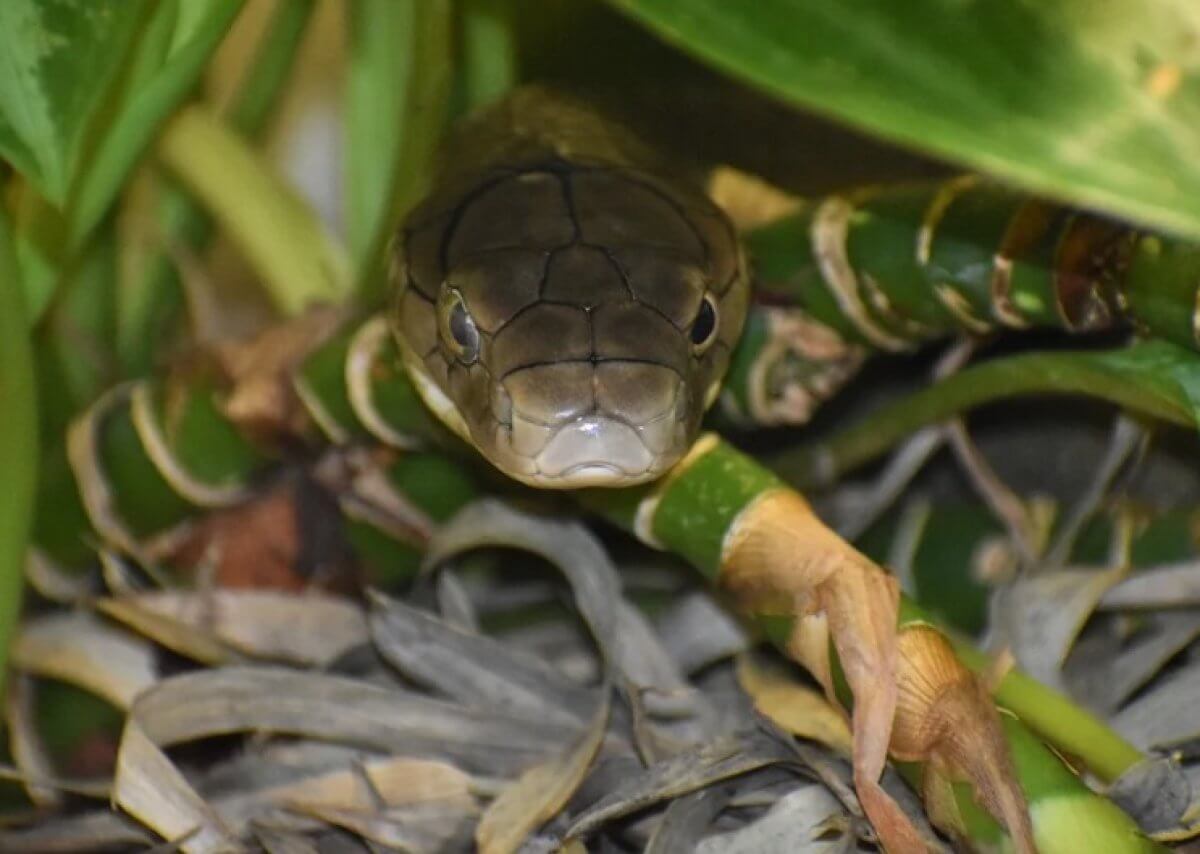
column 1164, row 715
column 83, row 833
column 687, row 819
column 1168, row 586
column 383, row 784
column 474, row 669
column 649, row 667
column 276, row 841
column 55, row 583
column 25, row 743
column 1104, row 681
column 190, row 641
column 420, row 829
column 697, row 632
column 799, row 821
column 454, row 603
column 1038, row 617
column 1155, row 792
column 565, row 543
column 335, row 708
column 724, row 757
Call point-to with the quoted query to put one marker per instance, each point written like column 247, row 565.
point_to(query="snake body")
column 566, row 302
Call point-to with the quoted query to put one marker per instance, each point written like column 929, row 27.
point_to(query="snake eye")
column 704, row 327
column 457, row 327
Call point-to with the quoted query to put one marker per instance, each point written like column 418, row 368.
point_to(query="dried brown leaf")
column 79, row 649
column 792, row 705
column 310, row 628
column 539, row 793
column 149, row 787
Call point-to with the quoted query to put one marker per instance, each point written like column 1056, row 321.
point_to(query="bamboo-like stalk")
column 892, row 267
column 728, row 515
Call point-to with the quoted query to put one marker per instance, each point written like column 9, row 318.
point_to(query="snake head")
column 571, row 320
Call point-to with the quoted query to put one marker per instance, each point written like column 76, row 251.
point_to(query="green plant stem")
column 18, row 440
column 1032, row 373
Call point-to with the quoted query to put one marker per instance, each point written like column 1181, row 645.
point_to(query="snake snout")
column 597, row 424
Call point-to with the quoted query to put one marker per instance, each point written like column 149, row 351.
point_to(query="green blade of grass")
column 18, row 440
column 196, row 37
column 398, row 80
column 297, row 260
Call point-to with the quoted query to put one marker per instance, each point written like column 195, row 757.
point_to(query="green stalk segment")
column 691, row 516
column 894, row 267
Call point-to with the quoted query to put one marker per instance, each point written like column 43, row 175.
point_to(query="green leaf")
column 279, row 234
column 398, row 75
column 151, row 298
column 57, row 61
column 18, row 439
column 487, row 51
column 1097, row 103
column 199, row 28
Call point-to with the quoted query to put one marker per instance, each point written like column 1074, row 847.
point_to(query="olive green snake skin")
column 564, row 301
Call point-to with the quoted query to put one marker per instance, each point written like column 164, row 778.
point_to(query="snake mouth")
column 593, row 450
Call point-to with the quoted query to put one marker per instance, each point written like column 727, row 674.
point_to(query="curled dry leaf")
column 945, row 716
column 697, row 632
column 474, row 669
column 566, row 544
column 808, row 819
column 1168, row 586
column 1104, row 671
column 686, row 820
column 261, row 398
column 1038, row 617
column 721, row 758
column 792, row 705
column 151, row 789
column 82, row 650
column 1166, row 716
column 541, row 791
column 310, row 628
column 269, row 699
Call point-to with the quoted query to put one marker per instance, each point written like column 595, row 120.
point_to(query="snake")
column 567, row 298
